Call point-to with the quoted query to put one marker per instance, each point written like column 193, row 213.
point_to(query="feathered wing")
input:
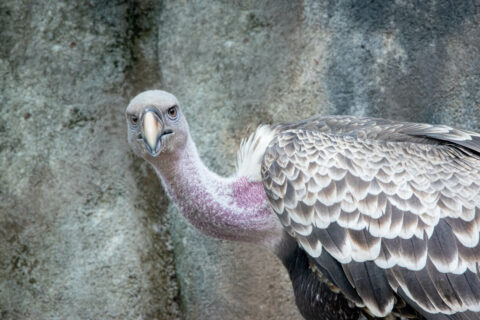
column 397, row 204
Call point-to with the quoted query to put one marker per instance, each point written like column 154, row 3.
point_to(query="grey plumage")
column 397, row 204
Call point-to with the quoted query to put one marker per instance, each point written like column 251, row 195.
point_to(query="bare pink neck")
column 226, row 208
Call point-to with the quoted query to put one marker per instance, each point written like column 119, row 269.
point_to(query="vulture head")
column 156, row 124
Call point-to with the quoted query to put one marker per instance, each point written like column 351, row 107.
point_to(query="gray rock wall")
column 82, row 229
column 85, row 228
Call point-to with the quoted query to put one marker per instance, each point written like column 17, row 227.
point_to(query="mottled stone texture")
column 84, row 229
column 83, row 232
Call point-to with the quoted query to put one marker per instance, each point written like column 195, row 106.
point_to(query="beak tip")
column 155, row 150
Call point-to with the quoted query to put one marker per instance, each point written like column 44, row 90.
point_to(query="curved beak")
column 153, row 131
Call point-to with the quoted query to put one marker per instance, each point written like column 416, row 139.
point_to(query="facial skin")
column 156, row 125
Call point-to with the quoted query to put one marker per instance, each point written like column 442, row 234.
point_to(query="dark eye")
column 172, row 112
column 133, row 119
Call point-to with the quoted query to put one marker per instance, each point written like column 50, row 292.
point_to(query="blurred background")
column 86, row 231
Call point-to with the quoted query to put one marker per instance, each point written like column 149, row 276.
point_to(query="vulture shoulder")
column 396, row 204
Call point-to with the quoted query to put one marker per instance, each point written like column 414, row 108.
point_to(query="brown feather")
column 386, row 192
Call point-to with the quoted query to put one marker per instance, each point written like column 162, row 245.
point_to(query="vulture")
column 366, row 214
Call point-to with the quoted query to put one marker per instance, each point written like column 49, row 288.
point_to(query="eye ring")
column 133, row 119
column 172, row 112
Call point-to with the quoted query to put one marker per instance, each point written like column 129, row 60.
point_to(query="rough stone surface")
column 82, row 222
column 84, row 225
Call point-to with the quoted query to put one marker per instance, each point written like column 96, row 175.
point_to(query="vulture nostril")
column 165, row 132
column 139, row 136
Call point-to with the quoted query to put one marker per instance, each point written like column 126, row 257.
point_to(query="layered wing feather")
column 397, row 204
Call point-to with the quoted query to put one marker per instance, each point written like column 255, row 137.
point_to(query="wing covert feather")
column 409, row 208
